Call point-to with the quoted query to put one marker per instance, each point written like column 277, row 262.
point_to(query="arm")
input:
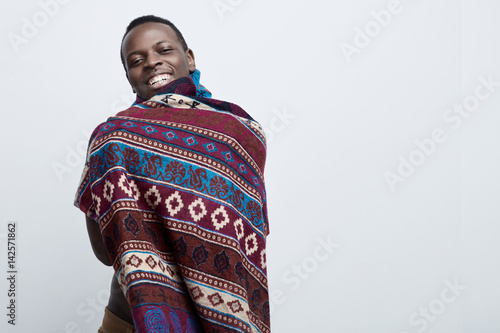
column 96, row 241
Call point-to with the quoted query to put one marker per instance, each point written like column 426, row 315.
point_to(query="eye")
column 165, row 51
column 134, row 62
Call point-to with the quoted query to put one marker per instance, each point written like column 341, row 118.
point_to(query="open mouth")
column 159, row 80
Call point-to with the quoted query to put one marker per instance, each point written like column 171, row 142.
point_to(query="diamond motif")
column 149, row 129
column 170, row 135
column 197, row 209
column 196, row 292
column 131, row 224
column 97, row 203
column 129, row 124
column 250, row 249
column 227, row 155
column 235, row 306
column 107, row 127
column 238, row 226
column 161, row 265
column 220, row 218
column 151, row 262
column 221, row 262
column 263, row 262
column 266, row 310
column 174, row 203
column 190, row 141
column 210, row 147
column 110, row 245
column 134, row 261
column 108, row 186
column 215, row 299
column 153, row 191
column 242, row 168
column 200, row 255
column 135, row 189
column 180, row 247
column 123, row 184
column 255, row 299
column 240, row 271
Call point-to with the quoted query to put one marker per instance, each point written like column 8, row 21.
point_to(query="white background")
column 337, row 125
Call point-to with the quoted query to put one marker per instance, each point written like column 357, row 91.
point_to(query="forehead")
column 147, row 35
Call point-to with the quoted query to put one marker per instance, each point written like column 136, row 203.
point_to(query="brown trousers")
column 113, row 324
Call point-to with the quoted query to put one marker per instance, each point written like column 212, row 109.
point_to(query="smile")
column 158, row 79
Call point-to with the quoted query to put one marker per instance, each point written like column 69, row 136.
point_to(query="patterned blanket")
column 176, row 185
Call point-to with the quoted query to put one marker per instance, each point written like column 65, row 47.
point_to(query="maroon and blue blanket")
column 176, row 185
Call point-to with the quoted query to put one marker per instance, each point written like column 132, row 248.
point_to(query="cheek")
column 134, row 79
column 134, row 74
column 183, row 66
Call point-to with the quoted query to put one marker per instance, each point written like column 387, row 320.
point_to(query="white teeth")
column 158, row 78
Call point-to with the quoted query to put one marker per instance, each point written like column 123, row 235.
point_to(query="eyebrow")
column 156, row 44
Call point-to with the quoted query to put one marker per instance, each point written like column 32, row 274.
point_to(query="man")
column 173, row 193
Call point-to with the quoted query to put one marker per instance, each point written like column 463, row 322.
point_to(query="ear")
column 191, row 62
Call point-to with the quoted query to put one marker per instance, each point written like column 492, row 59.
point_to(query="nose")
column 153, row 60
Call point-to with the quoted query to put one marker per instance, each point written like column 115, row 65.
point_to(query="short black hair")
column 151, row 18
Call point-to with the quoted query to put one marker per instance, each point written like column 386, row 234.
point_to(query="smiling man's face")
column 154, row 57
